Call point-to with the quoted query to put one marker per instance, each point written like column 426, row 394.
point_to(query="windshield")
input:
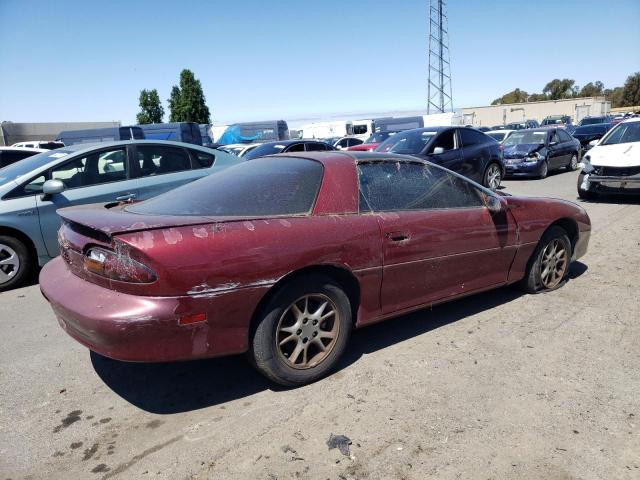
column 277, row 186
column 411, row 142
column 621, row 133
column 499, row 136
column 379, row 137
column 29, row 164
column 266, row 149
column 528, row 138
column 593, row 120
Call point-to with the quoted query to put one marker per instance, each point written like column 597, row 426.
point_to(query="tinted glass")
column 266, row 149
column 412, row 142
column 202, row 160
column 7, row 157
column 596, row 129
column 278, row 186
column 359, row 129
column 100, row 167
column 446, row 141
column 471, row 137
column 564, row 136
column 389, row 186
column 297, row 147
column 159, row 159
column 498, row 136
column 314, row 147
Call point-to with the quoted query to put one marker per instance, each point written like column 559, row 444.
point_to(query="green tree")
column 592, row 89
column 614, row 96
column 631, row 91
column 538, row 97
column 187, row 102
column 515, row 96
column 151, row 110
column 557, row 89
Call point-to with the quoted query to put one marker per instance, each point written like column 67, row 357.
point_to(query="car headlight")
column 534, row 157
column 586, row 164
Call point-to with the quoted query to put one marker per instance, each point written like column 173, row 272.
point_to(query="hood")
column 618, row 155
column 521, row 150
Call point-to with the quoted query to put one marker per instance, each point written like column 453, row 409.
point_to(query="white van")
column 362, row 128
column 339, row 129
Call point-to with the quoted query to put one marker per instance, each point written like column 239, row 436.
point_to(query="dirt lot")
column 497, row 386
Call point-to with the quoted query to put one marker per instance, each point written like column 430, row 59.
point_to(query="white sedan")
column 613, row 163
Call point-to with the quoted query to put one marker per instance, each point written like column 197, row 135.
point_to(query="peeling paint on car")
column 172, row 236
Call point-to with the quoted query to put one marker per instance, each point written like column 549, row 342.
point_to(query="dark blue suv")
column 463, row 150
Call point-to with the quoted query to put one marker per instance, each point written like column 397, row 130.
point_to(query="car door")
column 451, row 155
column 160, row 168
column 555, row 156
column 475, row 153
column 99, row 176
column 568, row 147
column 439, row 239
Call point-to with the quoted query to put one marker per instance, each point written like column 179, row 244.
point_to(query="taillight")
column 117, row 266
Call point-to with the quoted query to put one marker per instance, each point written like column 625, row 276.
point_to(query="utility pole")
column 439, row 95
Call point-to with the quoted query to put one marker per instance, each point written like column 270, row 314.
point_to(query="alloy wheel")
column 307, row 331
column 554, row 263
column 493, row 177
column 9, row 263
column 574, row 162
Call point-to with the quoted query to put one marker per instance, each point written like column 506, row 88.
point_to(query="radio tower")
column 439, row 86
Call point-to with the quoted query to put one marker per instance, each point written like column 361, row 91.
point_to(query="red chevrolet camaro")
column 282, row 256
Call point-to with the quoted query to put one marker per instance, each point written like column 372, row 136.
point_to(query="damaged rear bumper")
column 147, row 329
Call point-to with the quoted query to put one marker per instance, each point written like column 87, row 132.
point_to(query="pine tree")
column 151, row 110
column 187, row 102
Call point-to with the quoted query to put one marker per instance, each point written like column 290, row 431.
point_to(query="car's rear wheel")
column 573, row 163
column 544, row 170
column 302, row 331
column 549, row 265
column 492, row 176
column 15, row 262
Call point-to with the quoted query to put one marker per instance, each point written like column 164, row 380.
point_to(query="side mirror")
column 494, row 204
column 593, row 143
column 51, row 187
column 438, row 150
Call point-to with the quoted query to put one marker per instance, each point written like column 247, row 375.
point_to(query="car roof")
column 80, row 147
column 349, row 156
column 631, row 120
column 24, row 149
column 503, row 130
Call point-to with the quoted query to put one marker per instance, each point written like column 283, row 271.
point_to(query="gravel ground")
column 496, row 386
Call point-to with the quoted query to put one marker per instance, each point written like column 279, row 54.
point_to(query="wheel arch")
column 340, row 274
column 570, row 226
column 23, row 237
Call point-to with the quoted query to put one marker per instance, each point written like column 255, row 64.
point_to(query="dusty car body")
column 202, row 284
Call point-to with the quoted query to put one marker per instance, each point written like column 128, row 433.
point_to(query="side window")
column 471, row 137
column 202, row 160
column 394, row 186
column 564, row 136
column 296, row 147
column 554, row 138
column 159, row 159
column 315, row 147
column 344, row 143
column 99, row 167
column 30, row 188
column 446, row 140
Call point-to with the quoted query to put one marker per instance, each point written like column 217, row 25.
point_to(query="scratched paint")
column 200, row 232
column 172, row 236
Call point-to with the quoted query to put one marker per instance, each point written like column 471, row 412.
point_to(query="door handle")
column 126, row 198
column 398, row 236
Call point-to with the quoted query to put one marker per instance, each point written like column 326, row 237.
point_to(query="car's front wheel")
column 302, row 332
column 15, row 262
column 544, row 170
column 548, row 267
column 573, row 163
column 492, row 176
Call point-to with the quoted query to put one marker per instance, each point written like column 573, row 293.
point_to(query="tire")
column 535, row 279
column 284, row 346
column 573, row 163
column 492, row 176
column 544, row 170
column 16, row 264
column 585, row 194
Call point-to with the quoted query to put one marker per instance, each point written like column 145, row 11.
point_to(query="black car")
column 286, row 146
column 463, row 150
column 588, row 133
column 9, row 155
column 536, row 151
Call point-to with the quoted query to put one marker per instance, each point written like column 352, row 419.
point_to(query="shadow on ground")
column 166, row 388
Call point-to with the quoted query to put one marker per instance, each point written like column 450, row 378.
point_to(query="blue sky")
column 87, row 60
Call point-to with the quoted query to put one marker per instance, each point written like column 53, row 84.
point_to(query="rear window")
column 277, row 186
